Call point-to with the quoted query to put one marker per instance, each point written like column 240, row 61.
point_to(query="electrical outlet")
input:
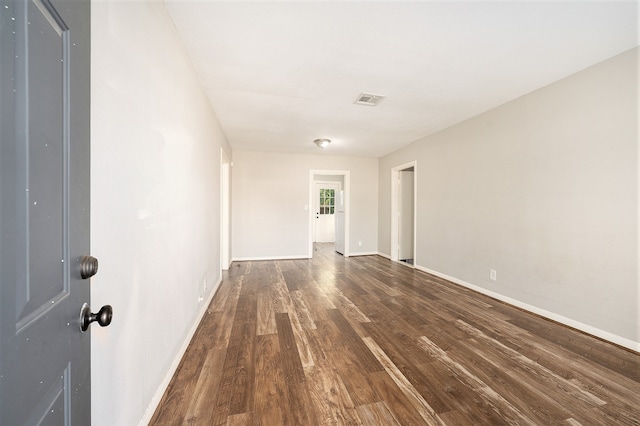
column 359, row 243
column 492, row 274
column 204, row 285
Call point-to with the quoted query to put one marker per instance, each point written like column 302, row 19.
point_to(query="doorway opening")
column 329, row 210
column 403, row 213
column 225, row 222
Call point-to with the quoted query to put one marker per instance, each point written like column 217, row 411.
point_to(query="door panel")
column 50, row 410
column 43, row 149
column 44, row 211
column 325, row 209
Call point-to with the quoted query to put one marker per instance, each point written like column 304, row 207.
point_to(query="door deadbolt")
column 88, row 267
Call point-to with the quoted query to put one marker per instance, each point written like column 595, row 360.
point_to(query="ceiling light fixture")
column 322, row 143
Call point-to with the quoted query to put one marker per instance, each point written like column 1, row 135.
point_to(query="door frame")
column 395, row 210
column 346, row 174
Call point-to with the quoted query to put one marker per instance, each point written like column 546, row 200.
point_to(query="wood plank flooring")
column 365, row 341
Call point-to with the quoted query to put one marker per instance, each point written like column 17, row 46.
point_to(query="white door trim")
column 347, row 188
column 395, row 208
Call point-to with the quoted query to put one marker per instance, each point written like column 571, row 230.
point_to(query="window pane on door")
column 327, row 201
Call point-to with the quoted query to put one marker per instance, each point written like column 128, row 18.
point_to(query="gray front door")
column 44, row 211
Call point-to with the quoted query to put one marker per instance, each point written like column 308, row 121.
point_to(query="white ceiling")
column 281, row 74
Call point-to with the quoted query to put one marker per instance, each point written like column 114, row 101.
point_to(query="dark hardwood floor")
column 363, row 340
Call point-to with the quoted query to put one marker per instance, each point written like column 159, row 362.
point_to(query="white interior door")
column 325, row 205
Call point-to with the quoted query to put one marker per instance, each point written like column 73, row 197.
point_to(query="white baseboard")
column 255, row 259
column 408, row 265
column 363, row 253
column 610, row 337
column 155, row 401
column 386, row 256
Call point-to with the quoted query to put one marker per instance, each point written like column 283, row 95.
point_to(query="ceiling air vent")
column 369, row 99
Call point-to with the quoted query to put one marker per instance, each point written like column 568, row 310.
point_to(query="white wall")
column 269, row 194
column 155, row 204
column 544, row 190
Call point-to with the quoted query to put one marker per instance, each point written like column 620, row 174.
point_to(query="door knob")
column 103, row 317
column 88, row 267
